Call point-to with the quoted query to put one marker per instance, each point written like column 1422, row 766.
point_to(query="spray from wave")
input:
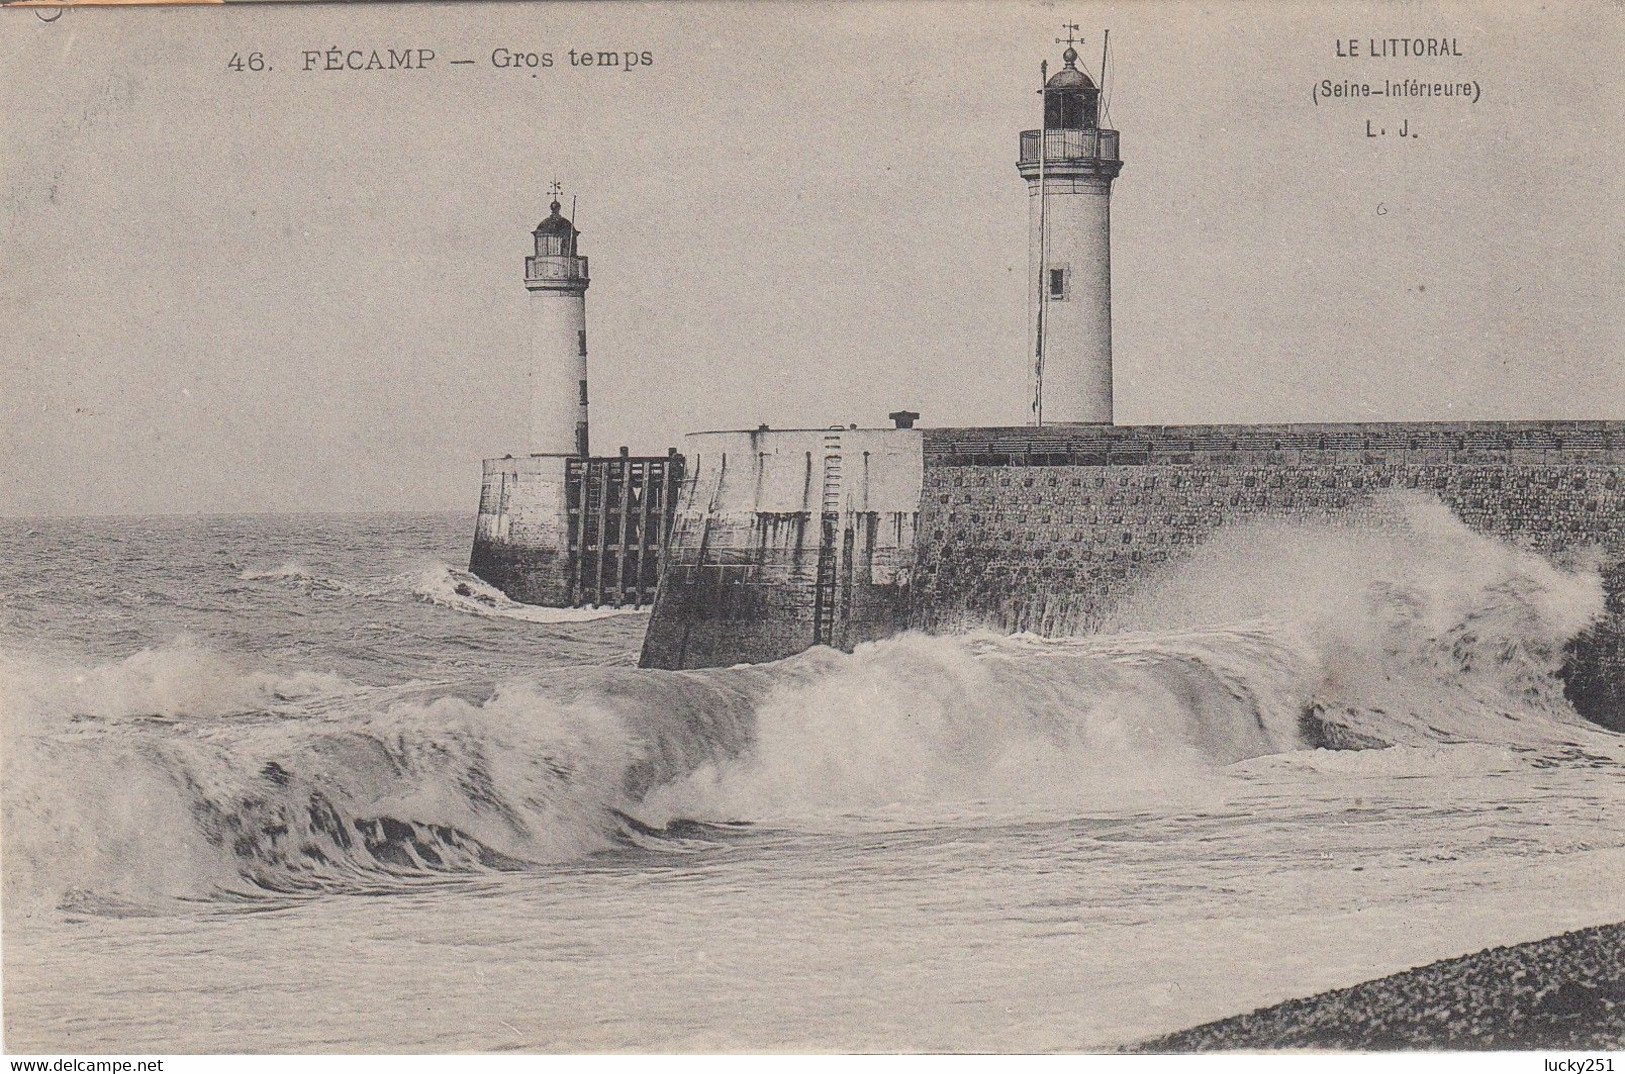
column 184, row 679
column 1420, row 629
column 460, row 591
column 439, row 585
column 179, row 772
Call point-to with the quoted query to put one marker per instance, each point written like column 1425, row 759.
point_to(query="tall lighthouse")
column 556, row 277
column 1069, row 166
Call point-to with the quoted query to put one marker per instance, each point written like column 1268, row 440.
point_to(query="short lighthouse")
column 1069, row 166
column 556, row 277
column 557, row 526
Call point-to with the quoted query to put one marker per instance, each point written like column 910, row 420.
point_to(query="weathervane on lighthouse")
column 1069, row 165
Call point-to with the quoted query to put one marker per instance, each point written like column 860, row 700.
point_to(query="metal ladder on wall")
column 828, row 556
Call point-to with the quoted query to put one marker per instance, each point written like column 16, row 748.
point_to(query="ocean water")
column 296, row 783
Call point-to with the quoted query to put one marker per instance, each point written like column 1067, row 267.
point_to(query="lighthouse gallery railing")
column 1069, row 145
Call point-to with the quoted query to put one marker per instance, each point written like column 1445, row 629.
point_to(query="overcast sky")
column 237, row 291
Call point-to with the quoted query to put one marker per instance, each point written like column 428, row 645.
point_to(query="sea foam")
column 182, row 771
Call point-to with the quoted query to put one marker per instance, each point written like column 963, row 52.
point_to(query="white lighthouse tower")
column 557, row 280
column 1069, row 166
column 556, row 526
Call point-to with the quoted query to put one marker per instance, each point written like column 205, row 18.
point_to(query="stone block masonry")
column 1044, row 530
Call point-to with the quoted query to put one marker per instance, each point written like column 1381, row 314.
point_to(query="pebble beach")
column 1562, row 993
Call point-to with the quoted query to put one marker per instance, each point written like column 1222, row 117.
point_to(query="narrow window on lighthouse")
column 1057, row 284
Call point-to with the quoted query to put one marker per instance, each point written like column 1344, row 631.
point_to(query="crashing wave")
column 1412, row 647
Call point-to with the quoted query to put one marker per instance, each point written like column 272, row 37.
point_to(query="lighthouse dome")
column 555, row 224
column 555, row 236
column 1069, row 77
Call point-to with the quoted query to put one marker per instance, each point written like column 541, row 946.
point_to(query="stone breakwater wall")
column 785, row 539
column 1048, row 529
column 1021, row 531
column 522, row 531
